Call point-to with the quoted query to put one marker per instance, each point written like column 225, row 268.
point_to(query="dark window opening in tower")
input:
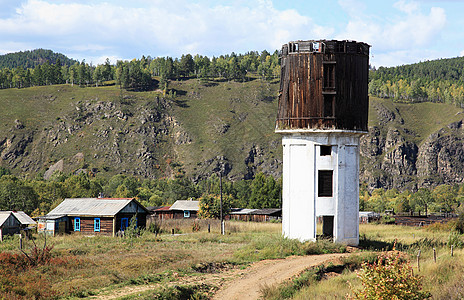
column 326, row 150
column 325, row 183
column 329, row 100
column 329, row 76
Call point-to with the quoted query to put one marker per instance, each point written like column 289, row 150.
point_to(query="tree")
column 445, row 197
column 187, row 65
column 421, row 200
column 210, row 206
column 265, row 192
column 16, row 195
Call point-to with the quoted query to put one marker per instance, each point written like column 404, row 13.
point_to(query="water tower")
column 323, row 111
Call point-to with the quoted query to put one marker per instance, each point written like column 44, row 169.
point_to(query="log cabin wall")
column 324, row 85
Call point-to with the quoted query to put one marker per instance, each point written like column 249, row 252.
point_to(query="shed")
column 96, row 216
column 256, row 215
column 161, row 213
column 368, row 217
column 12, row 222
column 185, row 209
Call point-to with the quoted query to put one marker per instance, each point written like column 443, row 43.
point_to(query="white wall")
column 300, row 201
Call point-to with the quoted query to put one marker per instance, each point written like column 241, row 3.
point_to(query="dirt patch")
column 236, row 283
column 269, row 272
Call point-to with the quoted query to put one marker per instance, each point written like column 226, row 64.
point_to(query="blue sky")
column 399, row 31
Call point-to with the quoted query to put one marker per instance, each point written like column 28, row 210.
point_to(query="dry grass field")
column 172, row 265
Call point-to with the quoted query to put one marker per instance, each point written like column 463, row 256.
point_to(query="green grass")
column 442, row 278
column 422, row 119
column 227, row 118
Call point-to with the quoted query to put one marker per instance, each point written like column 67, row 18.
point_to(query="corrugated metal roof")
column 186, row 205
column 242, row 211
column 266, row 211
column 23, row 218
column 90, row 206
column 50, row 217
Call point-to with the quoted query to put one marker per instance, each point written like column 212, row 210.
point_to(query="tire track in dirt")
column 269, row 272
column 241, row 284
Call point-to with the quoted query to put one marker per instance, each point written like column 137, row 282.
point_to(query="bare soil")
column 270, row 272
column 242, row 283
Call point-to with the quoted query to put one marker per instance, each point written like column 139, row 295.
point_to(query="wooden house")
column 159, row 213
column 12, row 222
column 185, row 209
column 93, row 216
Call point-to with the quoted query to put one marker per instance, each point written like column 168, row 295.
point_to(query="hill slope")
column 30, row 59
column 209, row 126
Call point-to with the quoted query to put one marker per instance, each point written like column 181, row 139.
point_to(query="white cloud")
column 157, row 28
column 399, row 32
column 461, row 53
column 407, row 7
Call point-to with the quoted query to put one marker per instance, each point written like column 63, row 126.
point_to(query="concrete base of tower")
column 321, row 178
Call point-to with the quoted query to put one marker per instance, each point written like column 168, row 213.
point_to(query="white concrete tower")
column 323, row 111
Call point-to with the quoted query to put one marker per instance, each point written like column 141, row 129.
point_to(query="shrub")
column 455, row 240
column 196, row 226
column 459, row 224
column 390, row 277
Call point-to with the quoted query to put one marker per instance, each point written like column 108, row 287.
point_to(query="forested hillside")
column 31, row 59
column 138, row 73
column 432, row 81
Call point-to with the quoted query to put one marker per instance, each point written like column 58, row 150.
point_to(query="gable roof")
column 186, row 205
column 4, row 215
column 92, row 206
column 21, row 216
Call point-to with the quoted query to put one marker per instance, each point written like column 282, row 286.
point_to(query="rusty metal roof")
column 186, row 205
column 90, row 206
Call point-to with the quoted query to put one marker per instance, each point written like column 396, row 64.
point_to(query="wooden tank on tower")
column 322, row 113
column 324, row 85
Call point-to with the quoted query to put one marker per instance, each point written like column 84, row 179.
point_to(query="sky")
column 399, row 31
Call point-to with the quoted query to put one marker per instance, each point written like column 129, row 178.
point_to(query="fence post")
column 20, row 241
column 173, row 231
column 452, row 250
column 209, row 228
column 418, row 259
column 434, row 255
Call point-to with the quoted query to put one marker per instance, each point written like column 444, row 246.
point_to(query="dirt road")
column 242, row 284
column 269, row 272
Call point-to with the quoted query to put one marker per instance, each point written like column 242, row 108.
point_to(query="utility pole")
column 220, row 188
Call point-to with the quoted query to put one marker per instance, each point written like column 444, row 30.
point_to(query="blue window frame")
column 186, row 213
column 124, row 223
column 96, row 224
column 77, row 224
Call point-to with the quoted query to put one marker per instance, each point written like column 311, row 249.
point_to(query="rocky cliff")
column 399, row 153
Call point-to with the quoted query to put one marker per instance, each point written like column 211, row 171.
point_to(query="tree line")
column 431, row 81
column 443, row 198
column 138, row 74
column 39, row 196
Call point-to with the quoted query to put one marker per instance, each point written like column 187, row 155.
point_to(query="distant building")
column 12, row 222
column 368, row 217
column 255, row 215
column 93, row 216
